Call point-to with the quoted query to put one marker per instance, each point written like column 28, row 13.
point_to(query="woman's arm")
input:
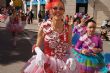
column 40, row 38
column 70, row 34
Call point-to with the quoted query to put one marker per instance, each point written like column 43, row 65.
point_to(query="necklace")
column 57, row 27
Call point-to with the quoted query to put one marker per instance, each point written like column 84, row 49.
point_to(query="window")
column 81, row 6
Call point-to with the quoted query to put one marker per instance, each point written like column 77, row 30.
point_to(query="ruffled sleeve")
column 81, row 40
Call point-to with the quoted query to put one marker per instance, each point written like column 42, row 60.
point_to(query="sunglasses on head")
column 58, row 8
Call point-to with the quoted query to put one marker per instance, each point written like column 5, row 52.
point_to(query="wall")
column 70, row 7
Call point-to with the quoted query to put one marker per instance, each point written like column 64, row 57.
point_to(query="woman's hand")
column 40, row 57
column 71, row 64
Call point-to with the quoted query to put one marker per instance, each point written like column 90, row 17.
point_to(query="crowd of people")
column 70, row 45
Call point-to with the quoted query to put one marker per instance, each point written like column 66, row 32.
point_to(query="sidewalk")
column 32, row 27
column 35, row 26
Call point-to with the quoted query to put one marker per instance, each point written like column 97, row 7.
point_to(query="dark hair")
column 77, row 19
column 90, row 20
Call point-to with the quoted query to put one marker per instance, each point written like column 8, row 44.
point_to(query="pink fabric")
column 14, row 25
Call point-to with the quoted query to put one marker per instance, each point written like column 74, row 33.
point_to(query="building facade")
column 99, row 9
column 2, row 3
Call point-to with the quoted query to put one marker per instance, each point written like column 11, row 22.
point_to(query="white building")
column 99, row 9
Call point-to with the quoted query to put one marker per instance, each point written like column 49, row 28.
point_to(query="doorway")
column 81, row 6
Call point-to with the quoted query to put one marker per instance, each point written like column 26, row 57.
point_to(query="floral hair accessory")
column 50, row 3
column 78, row 15
column 48, row 6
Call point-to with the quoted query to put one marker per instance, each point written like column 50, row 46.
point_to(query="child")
column 88, row 50
column 104, row 34
column 78, row 30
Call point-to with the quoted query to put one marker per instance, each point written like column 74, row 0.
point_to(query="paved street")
column 13, row 59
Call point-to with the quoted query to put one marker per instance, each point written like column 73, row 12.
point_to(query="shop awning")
column 81, row 1
column 35, row 2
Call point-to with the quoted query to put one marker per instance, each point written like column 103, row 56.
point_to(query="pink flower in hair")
column 75, row 16
column 80, row 15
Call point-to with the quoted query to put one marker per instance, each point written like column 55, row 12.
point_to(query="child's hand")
column 85, row 51
column 96, row 50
